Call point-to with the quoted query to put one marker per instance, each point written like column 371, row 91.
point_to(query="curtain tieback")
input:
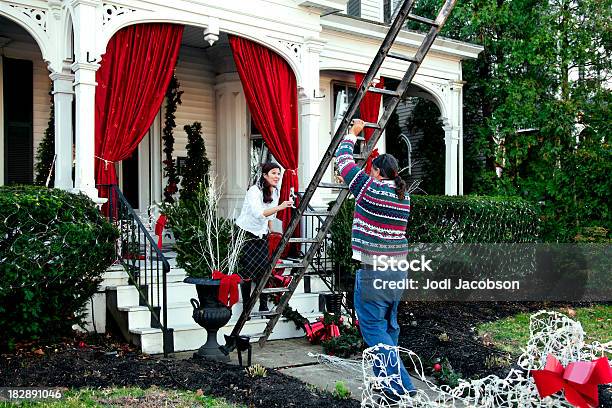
column 105, row 162
column 292, row 171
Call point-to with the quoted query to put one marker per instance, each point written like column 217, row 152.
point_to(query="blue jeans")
column 378, row 324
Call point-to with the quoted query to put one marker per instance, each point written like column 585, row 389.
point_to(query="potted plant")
column 207, row 244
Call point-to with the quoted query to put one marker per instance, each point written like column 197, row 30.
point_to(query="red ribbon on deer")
column 579, row 380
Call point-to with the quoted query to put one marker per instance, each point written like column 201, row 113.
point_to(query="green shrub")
column 444, row 219
column 205, row 241
column 54, row 248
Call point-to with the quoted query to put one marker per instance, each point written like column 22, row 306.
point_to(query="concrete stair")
column 134, row 319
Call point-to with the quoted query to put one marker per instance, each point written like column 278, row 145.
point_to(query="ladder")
column 300, row 265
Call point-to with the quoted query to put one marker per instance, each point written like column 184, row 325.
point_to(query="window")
column 389, row 8
column 258, row 153
column 338, row 89
column 353, row 8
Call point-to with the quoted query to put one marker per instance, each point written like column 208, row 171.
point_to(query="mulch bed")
column 112, row 364
column 465, row 350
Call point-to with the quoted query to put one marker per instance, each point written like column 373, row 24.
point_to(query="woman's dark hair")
column 389, row 169
column 263, row 183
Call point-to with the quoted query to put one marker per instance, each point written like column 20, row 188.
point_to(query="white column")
column 86, row 25
column 62, row 101
column 451, row 140
column 85, row 91
column 311, row 148
column 232, row 142
column 311, row 151
column 457, row 96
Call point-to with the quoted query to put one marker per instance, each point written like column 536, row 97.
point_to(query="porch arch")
column 18, row 16
column 201, row 22
column 417, row 81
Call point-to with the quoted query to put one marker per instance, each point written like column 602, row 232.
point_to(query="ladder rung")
column 402, row 57
column 360, row 138
column 423, row 20
column 260, row 314
column 256, row 335
column 333, row 185
column 359, row 156
column 316, row 213
column 383, row 91
column 303, row 240
column 372, row 125
column 275, row 290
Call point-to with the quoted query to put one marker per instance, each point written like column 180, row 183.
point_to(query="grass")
column 512, row 333
column 127, row 397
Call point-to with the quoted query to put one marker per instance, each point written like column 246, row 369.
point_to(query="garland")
column 197, row 165
column 46, row 149
column 173, row 99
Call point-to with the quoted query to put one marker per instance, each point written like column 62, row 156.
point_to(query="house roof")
column 377, row 30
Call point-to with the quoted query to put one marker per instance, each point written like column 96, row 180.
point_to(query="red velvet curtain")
column 270, row 89
column 369, row 111
column 132, row 80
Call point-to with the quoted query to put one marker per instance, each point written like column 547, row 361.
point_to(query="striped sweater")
column 380, row 218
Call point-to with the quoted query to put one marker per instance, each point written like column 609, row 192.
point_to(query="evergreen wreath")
column 197, row 164
column 46, row 149
column 173, row 99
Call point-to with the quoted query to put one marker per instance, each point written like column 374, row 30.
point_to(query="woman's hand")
column 286, row 204
column 357, row 127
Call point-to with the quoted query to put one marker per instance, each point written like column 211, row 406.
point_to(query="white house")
column 57, row 44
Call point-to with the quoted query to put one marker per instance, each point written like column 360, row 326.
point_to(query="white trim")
column 144, row 176
column 357, row 27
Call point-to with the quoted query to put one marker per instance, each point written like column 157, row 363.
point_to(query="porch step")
column 191, row 336
column 180, row 292
column 180, row 313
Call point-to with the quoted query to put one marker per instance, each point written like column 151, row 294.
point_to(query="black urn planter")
column 211, row 314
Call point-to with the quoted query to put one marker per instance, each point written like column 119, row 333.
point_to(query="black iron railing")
column 143, row 260
column 323, row 264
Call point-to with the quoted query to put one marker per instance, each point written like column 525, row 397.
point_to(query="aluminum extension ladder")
column 299, row 266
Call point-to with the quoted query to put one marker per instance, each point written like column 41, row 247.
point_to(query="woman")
column 258, row 210
column 381, row 215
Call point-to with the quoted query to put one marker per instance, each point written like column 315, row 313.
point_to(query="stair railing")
column 142, row 259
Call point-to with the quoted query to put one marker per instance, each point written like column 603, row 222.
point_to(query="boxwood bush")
column 54, row 248
column 445, row 219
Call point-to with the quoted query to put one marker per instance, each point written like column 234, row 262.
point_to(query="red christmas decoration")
column 228, row 289
column 578, row 380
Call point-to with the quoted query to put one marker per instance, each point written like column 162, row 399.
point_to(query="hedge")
column 55, row 247
column 446, row 219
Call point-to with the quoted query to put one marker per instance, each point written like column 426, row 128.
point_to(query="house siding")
column 371, row 9
column 24, row 47
column 197, row 80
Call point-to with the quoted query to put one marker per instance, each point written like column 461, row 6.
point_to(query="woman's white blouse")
column 251, row 217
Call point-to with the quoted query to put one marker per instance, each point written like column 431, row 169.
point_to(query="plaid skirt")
column 253, row 259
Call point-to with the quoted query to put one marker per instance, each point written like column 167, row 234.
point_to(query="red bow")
column 159, row 229
column 579, row 380
column 319, row 331
column 228, row 289
column 372, row 156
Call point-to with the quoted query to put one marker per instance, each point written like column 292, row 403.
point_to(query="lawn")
column 512, row 333
column 129, row 397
